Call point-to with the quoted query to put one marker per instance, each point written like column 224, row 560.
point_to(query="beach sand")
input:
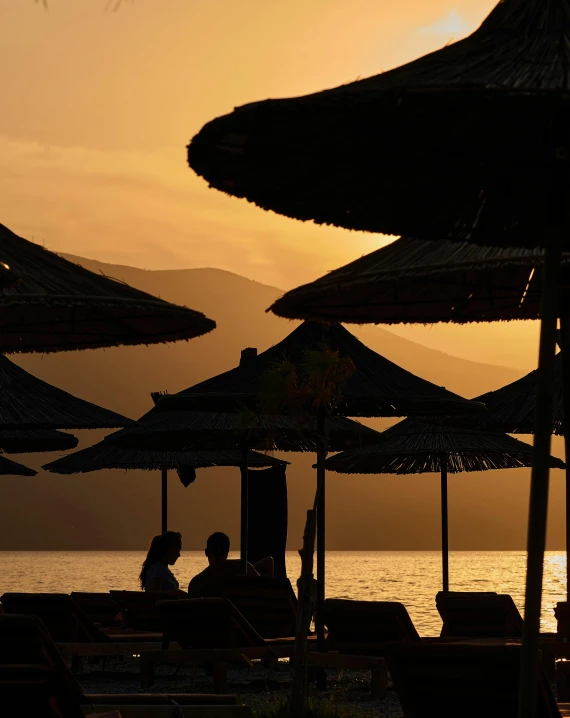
column 254, row 685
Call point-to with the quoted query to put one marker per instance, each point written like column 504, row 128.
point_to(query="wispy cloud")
column 452, row 25
column 147, row 209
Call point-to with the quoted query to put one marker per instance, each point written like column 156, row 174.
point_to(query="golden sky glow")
column 98, row 107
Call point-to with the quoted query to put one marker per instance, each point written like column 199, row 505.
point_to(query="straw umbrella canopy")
column 31, row 403
column 174, row 427
column 431, row 149
column 26, row 441
column 109, row 454
column 57, row 305
column 13, row 468
column 183, row 429
column 414, row 280
column 511, row 408
column 415, row 447
column 377, row 387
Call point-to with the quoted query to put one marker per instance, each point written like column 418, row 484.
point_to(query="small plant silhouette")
column 303, row 389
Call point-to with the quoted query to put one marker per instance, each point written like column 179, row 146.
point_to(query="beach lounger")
column 139, row 608
column 25, row 640
column 364, row 627
column 62, row 617
column 101, row 608
column 70, row 626
column 456, row 679
column 478, row 615
column 268, row 603
column 175, row 711
column 206, row 623
column 32, row 690
column 212, row 631
column 35, row 691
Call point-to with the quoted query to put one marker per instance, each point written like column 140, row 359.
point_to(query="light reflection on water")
column 412, row 577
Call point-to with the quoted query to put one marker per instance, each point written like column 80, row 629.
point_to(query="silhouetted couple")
column 165, row 550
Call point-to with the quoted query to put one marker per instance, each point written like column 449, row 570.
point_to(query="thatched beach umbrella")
column 13, row 468
column 109, row 454
column 418, row 281
column 415, row 447
column 57, row 305
column 172, row 427
column 431, row 149
column 26, row 441
column 31, row 403
column 467, row 143
column 377, row 387
column 183, row 429
column 511, row 408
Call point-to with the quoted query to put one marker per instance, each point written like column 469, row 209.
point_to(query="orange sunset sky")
column 98, row 106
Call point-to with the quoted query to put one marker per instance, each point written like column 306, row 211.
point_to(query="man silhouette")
column 209, row 581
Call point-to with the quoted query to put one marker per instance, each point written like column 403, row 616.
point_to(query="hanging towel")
column 267, row 516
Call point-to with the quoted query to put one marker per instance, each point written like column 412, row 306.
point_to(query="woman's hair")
column 158, row 547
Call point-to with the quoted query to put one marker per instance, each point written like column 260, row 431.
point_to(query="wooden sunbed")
column 25, row 640
column 212, row 631
column 457, row 679
column 268, row 603
column 205, row 711
column 101, row 608
column 35, row 690
column 66, row 621
column 76, row 635
column 364, row 627
column 478, row 615
column 206, row 623
column 139, row 608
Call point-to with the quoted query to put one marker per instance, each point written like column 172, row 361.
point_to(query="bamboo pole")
column 244, row 471
column 538, row 507
column 164, row 501
column 304, row 613
column 565, row 347
column 444, row 526
column 321, row 521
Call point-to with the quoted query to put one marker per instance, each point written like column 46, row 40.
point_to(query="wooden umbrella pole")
column 565, row 347
column 164, row 501
column 321, row 522
column 538, row 507
column 444, row 526
column 304, row 615
column 244, row 471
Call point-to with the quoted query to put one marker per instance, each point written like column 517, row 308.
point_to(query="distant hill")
column 238, row 305
column 121, row 510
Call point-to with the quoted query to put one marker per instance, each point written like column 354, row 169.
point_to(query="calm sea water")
column 412, row 577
